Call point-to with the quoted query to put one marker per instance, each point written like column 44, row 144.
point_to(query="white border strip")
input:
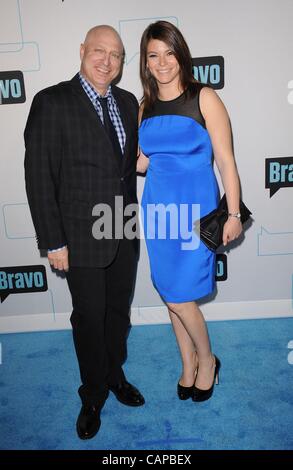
column 155, row 315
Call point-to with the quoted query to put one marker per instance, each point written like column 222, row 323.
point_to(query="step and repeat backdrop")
column 244, row 50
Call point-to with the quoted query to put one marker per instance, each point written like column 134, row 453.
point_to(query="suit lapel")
column 122, row 106
column 79, row 91
column 93, row 115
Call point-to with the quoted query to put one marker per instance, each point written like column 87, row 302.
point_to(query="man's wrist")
column 57, row 249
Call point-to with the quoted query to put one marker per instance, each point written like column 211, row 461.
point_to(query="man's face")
column 101, row 58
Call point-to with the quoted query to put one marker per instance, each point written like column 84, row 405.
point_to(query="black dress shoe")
column 88, row 421
column 127, row 394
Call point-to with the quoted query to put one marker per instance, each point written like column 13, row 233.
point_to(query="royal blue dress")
column 180, row 177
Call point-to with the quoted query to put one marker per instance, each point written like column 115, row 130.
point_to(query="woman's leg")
column 192, row 318
column 187, row 351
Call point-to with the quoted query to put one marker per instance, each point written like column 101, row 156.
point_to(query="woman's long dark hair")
column 168, row 33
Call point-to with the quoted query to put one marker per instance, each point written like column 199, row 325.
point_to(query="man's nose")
column 107, row 58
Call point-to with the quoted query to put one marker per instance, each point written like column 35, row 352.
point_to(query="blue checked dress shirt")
column 112, row 108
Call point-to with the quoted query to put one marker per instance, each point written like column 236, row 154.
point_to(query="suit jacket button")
column 122, row 179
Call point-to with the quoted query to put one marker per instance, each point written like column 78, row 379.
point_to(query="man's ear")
column 81, row 51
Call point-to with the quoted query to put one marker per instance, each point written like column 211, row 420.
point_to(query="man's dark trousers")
column 100, row 320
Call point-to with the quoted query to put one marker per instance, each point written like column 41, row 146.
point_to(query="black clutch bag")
column 210, row 227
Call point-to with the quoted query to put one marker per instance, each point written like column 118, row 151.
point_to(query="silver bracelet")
column 237, row 215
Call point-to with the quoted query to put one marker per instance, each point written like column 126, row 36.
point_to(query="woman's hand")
column 142, row 163
column 232, row 230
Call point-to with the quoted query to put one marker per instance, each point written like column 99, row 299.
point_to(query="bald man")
column 81, row 145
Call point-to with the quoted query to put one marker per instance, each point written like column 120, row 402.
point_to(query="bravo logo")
column 279, row 173
column 12, row 87
column 209, row 70
column 20, row 279
column 221, row 267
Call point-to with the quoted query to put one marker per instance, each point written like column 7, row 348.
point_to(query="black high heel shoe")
column 203, row 395
column 184, row 392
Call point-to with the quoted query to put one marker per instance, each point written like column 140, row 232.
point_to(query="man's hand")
column 59, row 259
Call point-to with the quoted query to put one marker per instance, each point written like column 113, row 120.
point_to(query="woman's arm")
column 219, row 129
column 142, row 161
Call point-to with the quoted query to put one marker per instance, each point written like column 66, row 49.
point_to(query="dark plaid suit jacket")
column 70, row 166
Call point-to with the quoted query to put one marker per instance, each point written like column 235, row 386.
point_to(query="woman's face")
column 162, row 63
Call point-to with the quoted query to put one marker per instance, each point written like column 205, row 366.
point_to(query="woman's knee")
column 176, row 308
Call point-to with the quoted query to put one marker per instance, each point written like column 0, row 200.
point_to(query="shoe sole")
column 90, row 436
column 129, row 404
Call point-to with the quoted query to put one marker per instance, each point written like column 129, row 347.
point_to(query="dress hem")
column 189, row 299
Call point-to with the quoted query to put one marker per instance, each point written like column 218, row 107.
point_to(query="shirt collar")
column 91, row 92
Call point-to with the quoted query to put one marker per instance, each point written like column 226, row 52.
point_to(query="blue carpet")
column 252, row 408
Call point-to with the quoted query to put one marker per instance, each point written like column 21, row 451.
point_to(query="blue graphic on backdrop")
column 279, row 173
column 221, row 267
column 209, row 70
column 17, row 221
column 131, row 30
column 12, row 88
column 274, row 243
column 20, row 279
column 16, row 52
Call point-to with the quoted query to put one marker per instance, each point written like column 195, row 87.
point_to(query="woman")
column 182, row 123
